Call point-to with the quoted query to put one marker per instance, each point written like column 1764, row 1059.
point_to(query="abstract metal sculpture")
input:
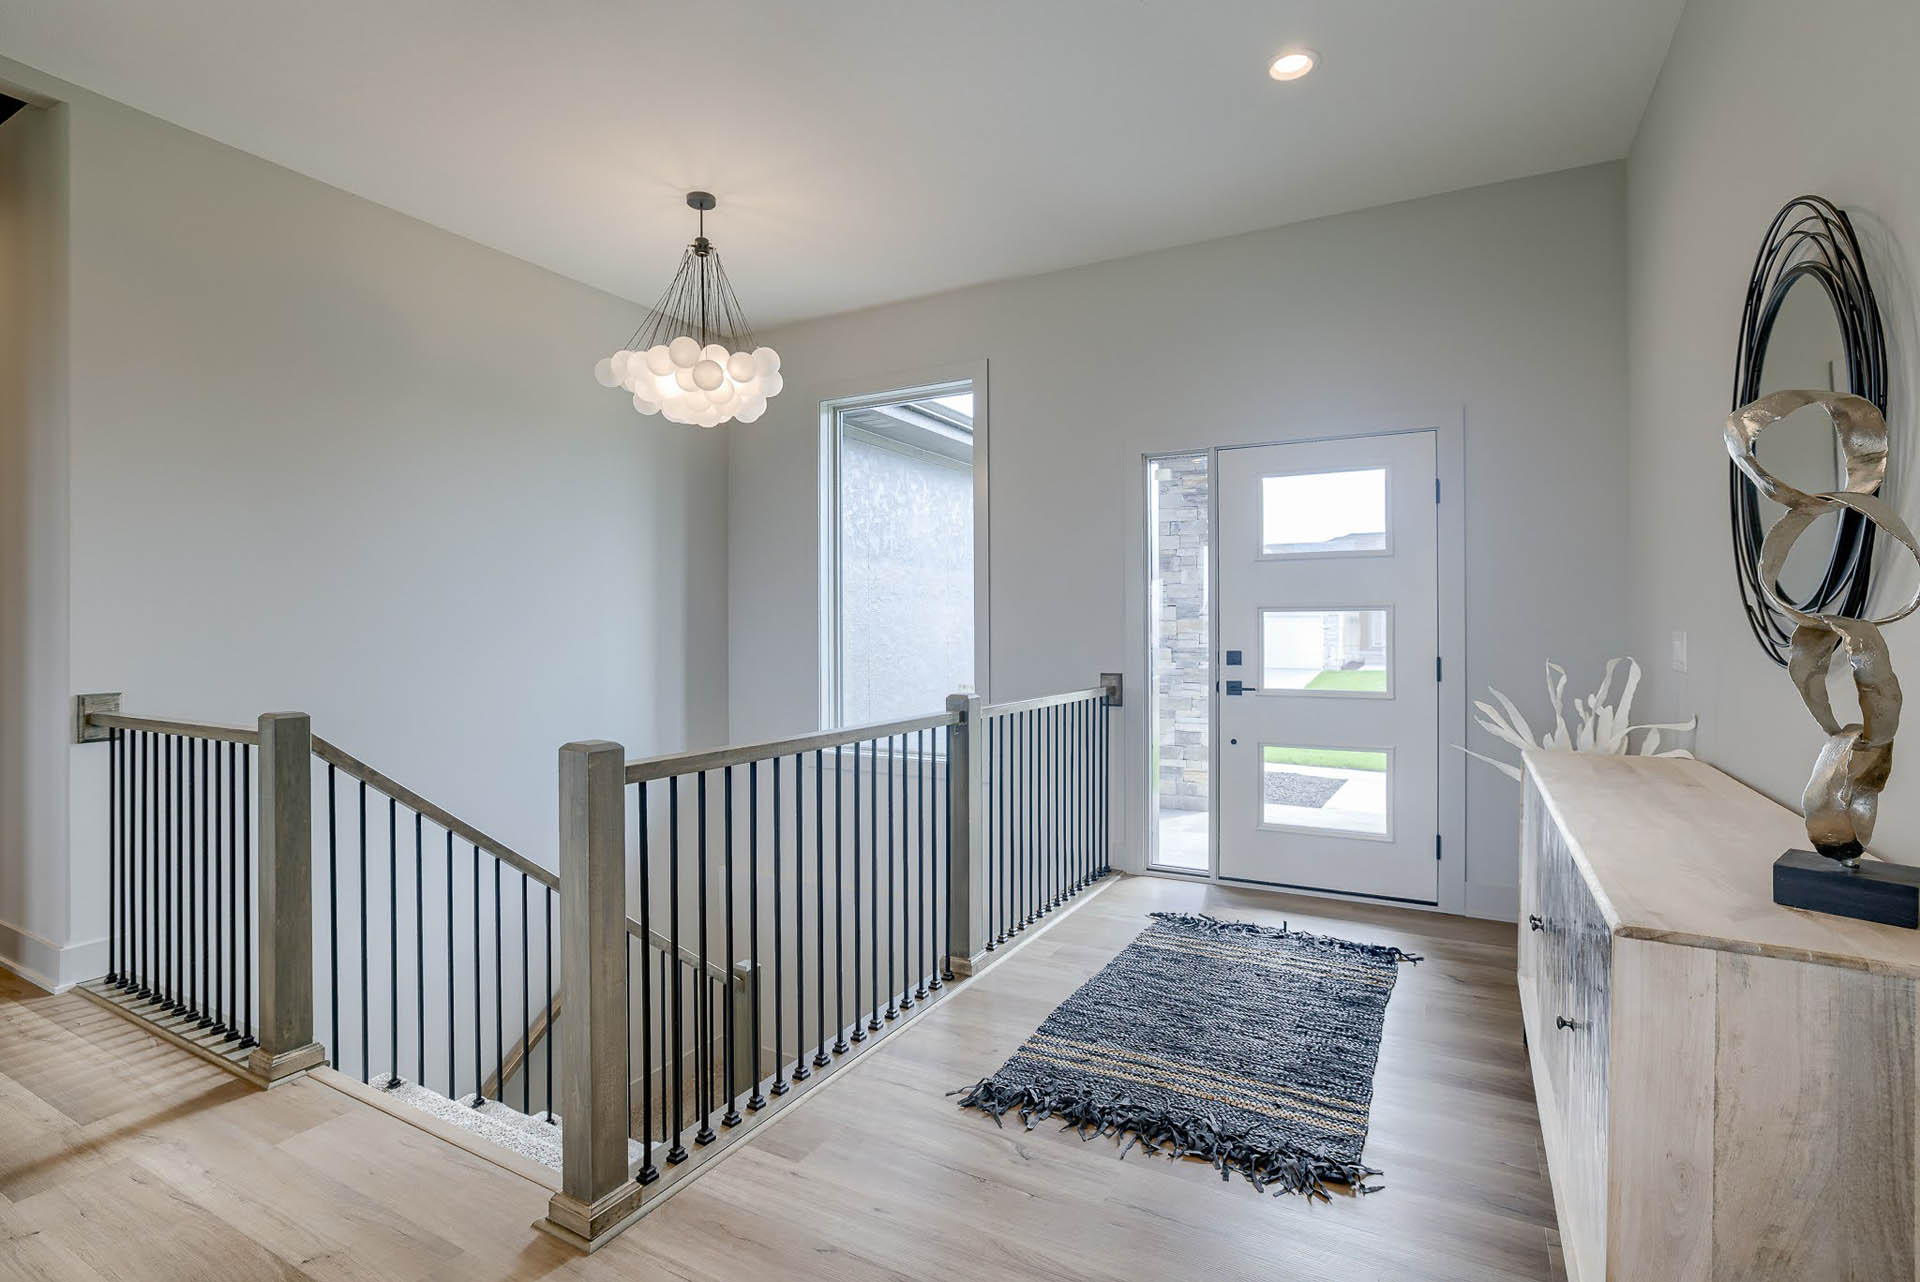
column 1843, row 796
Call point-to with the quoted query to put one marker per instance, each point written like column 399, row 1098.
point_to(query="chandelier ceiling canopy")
column 693, row 359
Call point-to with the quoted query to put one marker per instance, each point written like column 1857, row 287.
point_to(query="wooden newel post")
column 597, row 1194
column 966, row 779
column 285, row 803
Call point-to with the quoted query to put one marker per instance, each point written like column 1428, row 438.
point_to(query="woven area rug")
column 1252, row 1047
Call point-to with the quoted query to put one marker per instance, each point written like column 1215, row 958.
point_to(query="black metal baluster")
column 873, row 882
column 755, row 1100
column 648, row 1171
column 419, row 950
column 499, row 997
column 990, row 816
column 366, row 1069
column 453, row 1038
column 246, row 893
column 943, row 922
column 896, row 885
column 705, row 1134
column 137, row 897
column 1036, row 843
column 546, row 986
column 393, row 941
column 923, row 824
column 236, row 906
column 177, row 857
column 728, row 998
column 113, row 856
column 839, row 903
column 859, row 1026
column 187, row 900
column 217, row 994
column 1055, row 811
column 1106, row 777
column 526, row 1016
column 675, row 1055
column 820, row 1059
column 779, row 950
column 800, row 1070
column 479, row 1057
column 204, row 917
column 333, row 916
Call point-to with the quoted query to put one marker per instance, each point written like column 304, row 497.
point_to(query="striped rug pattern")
column 1252, row 1047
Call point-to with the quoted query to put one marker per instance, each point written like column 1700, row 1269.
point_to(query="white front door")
column 1329, row 646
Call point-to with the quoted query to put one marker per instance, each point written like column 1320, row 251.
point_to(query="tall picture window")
column 901, row 525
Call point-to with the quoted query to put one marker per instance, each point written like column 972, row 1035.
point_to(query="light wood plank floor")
column 122, row 1158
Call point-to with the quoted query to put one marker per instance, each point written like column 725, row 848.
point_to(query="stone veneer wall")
column 1182, row 654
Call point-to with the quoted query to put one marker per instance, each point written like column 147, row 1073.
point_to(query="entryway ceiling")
column 870, row 150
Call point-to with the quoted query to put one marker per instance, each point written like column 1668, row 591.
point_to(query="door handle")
column 1561, row 1021
column 1533, row 921
column 1236, row 688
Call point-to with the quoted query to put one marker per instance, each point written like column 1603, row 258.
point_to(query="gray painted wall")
column 1760, row 101
column 1506, row 301
column 325, row 457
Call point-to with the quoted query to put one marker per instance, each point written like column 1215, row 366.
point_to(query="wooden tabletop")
column 1677, row 851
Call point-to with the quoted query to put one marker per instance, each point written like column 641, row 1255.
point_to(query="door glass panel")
column 1324, row 513
column 1335, row 652
column 1331, row 790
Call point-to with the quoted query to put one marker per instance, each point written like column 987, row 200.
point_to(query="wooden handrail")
column 687, row 763
column 358, row 769
column 187, row 729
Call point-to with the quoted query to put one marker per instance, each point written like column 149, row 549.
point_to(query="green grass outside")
column 1335, row 758
column 1374, row 680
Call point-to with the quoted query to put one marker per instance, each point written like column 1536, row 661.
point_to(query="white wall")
column 34, row 712
column 327, row 458
column 1506, row 301
column 1760, row 101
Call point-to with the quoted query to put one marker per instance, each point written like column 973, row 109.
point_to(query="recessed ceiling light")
column 1292, row 66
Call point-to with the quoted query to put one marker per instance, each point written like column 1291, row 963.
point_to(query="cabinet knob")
column 1561, row 1021
column 1533, row 920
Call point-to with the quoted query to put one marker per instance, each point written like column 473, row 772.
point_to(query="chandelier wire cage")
column 693, row 358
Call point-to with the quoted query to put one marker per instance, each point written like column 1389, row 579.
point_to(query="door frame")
column 1449, row 428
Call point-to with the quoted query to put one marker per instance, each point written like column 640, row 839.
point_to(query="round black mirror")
column 1810, row 323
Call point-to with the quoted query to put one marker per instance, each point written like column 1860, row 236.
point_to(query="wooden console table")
column 1727, row 1088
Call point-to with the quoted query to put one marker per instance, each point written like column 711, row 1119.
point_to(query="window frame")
column 952, row 381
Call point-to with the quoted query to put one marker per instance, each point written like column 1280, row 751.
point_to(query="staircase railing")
column 860, row 871
column 793, row 901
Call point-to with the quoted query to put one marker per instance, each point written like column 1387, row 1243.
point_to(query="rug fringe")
column 1267, row 1163
column 1221, row 926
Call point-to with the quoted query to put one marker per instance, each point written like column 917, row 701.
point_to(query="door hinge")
column 1436, row 489
column 1437, row 669
column 1436, row 847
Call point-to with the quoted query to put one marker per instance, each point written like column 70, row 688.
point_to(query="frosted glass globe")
column 684, row 352
column 684, row 377
column 657, row 360
column 715, row 353
column 645, row 406
column 740, row 366
column 696, row 400
column 766, row 359
column 709, row 374
column 724, row 394
column 618, row 361
column 603, row 372
column 750, row 408
column 770, row 384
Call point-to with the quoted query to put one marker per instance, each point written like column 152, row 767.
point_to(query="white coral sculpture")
column 1602, row 727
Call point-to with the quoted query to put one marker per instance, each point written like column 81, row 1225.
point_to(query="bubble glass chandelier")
column 693, row 359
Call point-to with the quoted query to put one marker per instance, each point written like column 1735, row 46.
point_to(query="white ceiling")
column 869, row 150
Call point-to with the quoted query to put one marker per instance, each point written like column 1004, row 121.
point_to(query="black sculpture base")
column 1872, row 890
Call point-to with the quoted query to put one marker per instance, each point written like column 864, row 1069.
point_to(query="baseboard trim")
column 45, row 964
